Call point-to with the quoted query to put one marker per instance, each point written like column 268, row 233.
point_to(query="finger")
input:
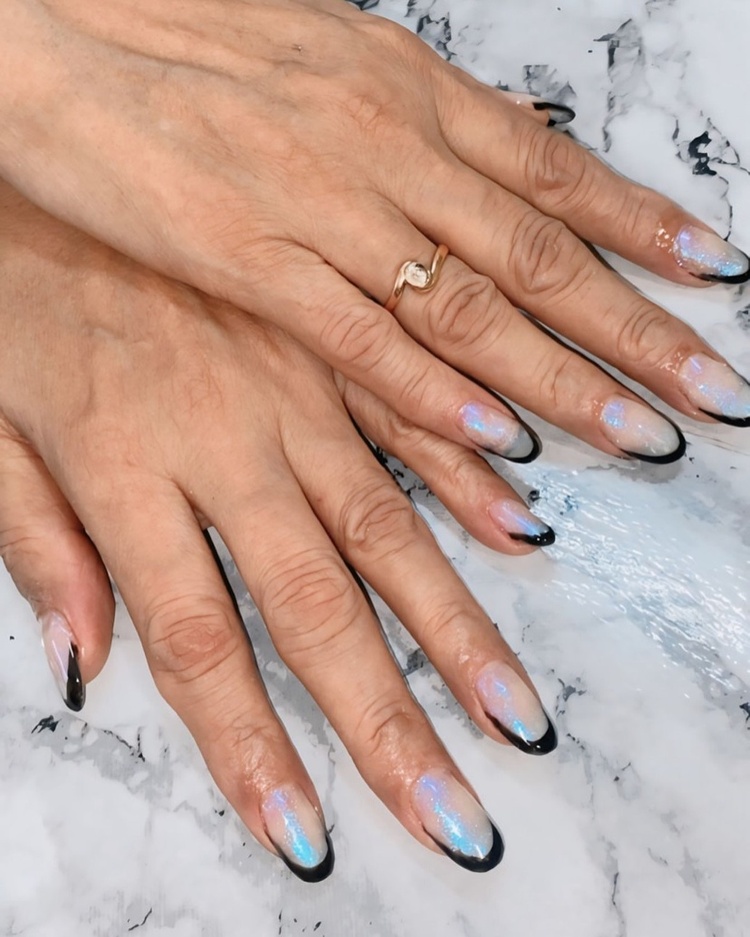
column 562, row 180
column 545, row 269
column 325, row 631
column 545, row 113
column 55, row 567
column 376, row 529
column 466, row 321
column 203, row 666
column 484, row 504
column 360, row 339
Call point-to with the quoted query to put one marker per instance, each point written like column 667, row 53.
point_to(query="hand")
column 285, row 156
column 132, row 411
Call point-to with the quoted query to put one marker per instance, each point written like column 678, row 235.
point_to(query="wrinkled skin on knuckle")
column 556, row 170
column 189, row 638
column 459, row 309
column 358, row 337
column 375, row 520
column 544, row 260
column 385, row 729
column 646, row 336
column 560, row 379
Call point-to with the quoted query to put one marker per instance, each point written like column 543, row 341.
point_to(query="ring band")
column 416, row 275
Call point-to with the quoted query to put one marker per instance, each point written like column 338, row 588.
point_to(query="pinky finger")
column 484, row 504
column 55, row 567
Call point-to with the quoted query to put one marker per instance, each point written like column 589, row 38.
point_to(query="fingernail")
column 62, row 656
column 716, row 389
column 520, row 524
column 709, row 257
column 297, row 831
column 456, row 822
column 515, row 710
column 640, row 431
column 556, row 113
column 498, row 432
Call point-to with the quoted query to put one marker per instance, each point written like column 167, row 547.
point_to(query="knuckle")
column 385, row 729
column 645, row 336
column 376, row 519
column 358, row 336
column 556, row 169
column 559, row 379
column 241, row 747
column 189, row 638
column 541, row 260
column 461, row 308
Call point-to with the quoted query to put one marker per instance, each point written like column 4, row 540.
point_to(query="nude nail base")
column 62, row 656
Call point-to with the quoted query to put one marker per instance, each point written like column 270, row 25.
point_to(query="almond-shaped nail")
column 498, row 432
column 556, row 113
column 716, row 389
column 709, row 257
column 520, row 524
column 62, row 656
column 298, row 832
column 640, row 431
column 514, row 709
column 456, row 822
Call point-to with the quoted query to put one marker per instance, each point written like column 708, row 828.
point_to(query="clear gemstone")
column 416, row 275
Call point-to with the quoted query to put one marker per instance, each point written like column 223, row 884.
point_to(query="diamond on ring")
column 416, row 275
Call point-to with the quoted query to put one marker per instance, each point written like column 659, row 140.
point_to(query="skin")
column 286, row 155
column 134, row 411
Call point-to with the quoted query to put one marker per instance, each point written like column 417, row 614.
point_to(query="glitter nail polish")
column 520, row 524
column 62, row 657
column 716, row 389
column 297, row 830
column 498, row 432
column 456, row 822
column 514, row 709
column 709, row 257
column 640, row 431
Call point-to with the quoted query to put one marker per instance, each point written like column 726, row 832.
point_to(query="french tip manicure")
column 297, row 831
column 640, row 431
column 498, row 432
column 556, row 113
column 517, row 521
column 317, row 873
column 62, row 657
column 490, row 861
column 715, row 389
column 709, row 257
column 541, row 746
column 674, row 456
column 730, row 421
column 514, row 709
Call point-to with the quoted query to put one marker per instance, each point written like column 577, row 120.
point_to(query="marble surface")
column 634, row 626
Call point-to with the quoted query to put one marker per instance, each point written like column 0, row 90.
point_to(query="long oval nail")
column 517, row 521
column 298, row 832
column 456, row 822
column 515, row 710
column 640, row 431
column 556, row 113
column 709, row 257
column 62, row 656
column 716, row 389
column 498, row 432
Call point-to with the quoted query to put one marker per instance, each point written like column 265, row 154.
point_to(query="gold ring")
column 416, row 275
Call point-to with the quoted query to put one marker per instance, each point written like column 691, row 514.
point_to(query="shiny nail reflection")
column 709, row 257
column 295, row 828
column 62, row 656
column 514, row 709
column 498, row 432
column 640, row 431
column 716, row 389
column 520, row 524
column 456, row 822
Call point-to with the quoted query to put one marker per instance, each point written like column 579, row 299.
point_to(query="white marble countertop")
column 634, row 626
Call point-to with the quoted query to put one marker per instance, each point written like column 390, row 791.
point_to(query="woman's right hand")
column 287, row 155
column 134, row 410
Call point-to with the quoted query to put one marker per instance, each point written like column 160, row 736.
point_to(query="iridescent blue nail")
column 456, row 822
column 498, row 432
column 641, row 431
column 520, row 524
column 708, row 257
column 514, row 709
column 713, row 387
column 297, row 830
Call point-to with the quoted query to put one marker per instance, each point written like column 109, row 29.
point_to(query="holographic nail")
column 456, row 822
column 498, row 432
column 515, row 710
column 640, row 431
column 62, row 657
column 297, row 831
column 716, row 389
column 520, row 524
column 709, row 257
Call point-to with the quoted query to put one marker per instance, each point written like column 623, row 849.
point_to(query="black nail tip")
column 678, row 453
column 536, row 449
column 562, row 113
column 318, row 872
column 542, row 746
column 729, row 420
column 75, row 688
column 536, row 540
column 490, row 861
column 711, row 278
